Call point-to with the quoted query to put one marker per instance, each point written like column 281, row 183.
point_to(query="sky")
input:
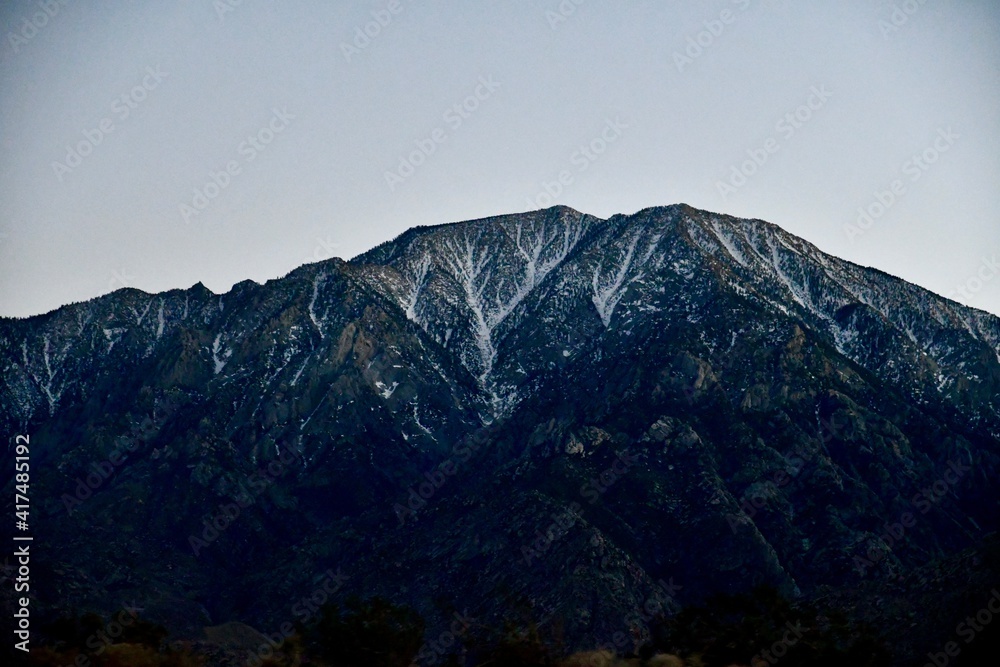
column 159, row 144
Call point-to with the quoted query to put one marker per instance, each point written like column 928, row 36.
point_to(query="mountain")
column 546, row 411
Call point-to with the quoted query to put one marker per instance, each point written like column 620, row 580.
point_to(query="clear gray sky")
column 156, row 144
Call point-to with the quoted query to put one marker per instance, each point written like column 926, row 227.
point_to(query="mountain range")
column 546, row 412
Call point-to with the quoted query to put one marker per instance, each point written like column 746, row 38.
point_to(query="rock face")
column 544, row 411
